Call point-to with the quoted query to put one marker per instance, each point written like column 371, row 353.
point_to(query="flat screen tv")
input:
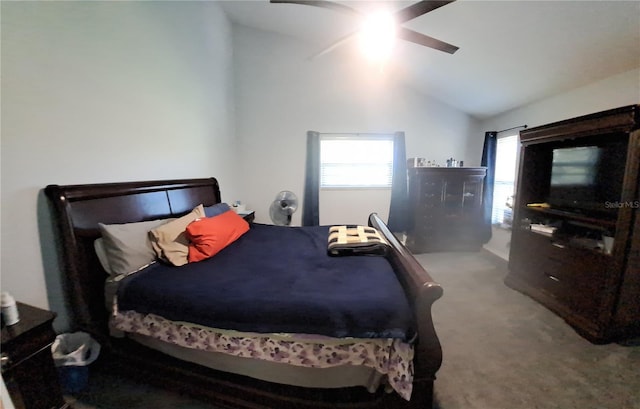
column 587, row 178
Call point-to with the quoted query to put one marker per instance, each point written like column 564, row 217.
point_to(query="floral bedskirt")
column 390, row 357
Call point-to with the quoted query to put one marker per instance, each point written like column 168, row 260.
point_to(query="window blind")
column 356, row 162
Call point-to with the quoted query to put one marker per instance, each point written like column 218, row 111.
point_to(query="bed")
column 79, row 209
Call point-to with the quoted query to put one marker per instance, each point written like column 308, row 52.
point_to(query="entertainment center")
column 576, row 237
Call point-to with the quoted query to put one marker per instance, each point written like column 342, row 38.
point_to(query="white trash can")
column 72, row 353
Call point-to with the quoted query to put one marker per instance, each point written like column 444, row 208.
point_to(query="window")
column 356, row 161
column 504, row 186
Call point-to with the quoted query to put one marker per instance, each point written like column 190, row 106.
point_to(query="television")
column 587, row 179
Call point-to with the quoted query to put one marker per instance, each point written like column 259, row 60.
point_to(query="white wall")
column 616, row 91
column 280, row 95
column 104, row 92
column 353, row 206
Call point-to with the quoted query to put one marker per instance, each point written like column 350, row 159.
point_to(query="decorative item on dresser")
column 27, row 364
column 575, row 244
column 445, row 209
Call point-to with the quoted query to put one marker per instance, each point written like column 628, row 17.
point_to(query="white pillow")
column 101, row 252
column 127, row 246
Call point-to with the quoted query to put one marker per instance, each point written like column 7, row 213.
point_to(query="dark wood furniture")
column 27, row 364
column 249, row 217
column 78, row 209
column 445, row 209
column 568, row 271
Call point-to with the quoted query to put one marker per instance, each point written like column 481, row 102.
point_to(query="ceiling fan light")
column 378, row 36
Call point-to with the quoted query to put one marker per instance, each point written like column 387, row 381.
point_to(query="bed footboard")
column 422, row 292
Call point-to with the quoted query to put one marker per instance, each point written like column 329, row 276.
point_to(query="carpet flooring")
column 501, row 350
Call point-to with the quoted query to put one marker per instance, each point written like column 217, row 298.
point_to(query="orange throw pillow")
column 210, row 235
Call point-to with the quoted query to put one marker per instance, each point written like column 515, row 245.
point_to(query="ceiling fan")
column 401, row 16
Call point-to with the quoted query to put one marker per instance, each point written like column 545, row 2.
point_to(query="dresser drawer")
column 40, row 336
column 428, row 205
column 432, row 196
column 430, row 184
column 425, row 217
column 559, row 258
column 582, row 300
column 581, row 268
column 574, row 277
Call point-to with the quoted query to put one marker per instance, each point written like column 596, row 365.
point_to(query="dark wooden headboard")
column 79, row 208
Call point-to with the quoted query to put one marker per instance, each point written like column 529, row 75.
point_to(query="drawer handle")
column 554, row 278
column 5, row 361
column 558, row 245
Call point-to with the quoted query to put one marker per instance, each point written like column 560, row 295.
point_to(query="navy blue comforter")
column 277, row 279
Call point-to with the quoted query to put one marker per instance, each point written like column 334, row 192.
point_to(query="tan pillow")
column 169, row 240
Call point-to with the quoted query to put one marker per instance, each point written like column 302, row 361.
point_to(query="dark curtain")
column 488, row 161
column 399, row 201
column 311, row 205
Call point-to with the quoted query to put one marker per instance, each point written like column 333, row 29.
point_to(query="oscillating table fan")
column 284, row 205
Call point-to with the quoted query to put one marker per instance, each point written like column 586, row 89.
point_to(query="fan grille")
column 283, row 207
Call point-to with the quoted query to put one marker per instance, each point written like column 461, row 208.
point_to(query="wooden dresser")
column 567, row 267
column 445, row 209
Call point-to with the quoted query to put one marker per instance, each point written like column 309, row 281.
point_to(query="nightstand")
column 248, row 215
column 27, row 364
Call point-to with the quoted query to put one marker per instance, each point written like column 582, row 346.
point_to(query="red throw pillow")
column 210, row 235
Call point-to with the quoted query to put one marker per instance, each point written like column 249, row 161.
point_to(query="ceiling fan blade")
column 333, row 45
column 418, row 38
column 418, row 9
column 321, row 3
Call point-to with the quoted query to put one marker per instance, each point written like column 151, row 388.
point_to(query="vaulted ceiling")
column 511, row 52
